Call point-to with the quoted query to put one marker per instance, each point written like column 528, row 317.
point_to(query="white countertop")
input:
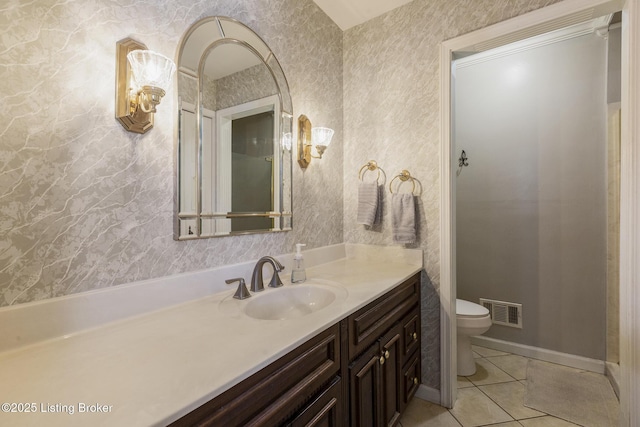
column 153, row 368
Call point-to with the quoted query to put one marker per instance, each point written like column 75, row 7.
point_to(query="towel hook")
column 371, row 165
column 463, row 160
column 404, row 176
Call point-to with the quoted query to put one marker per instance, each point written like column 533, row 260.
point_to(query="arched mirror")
column 234, row 142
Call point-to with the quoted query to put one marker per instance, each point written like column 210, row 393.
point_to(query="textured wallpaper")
column 391, row 115
column 85, row 204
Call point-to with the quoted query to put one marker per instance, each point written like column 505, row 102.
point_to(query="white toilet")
column 473, row 319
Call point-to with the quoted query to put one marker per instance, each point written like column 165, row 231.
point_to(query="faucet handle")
column 242, row 292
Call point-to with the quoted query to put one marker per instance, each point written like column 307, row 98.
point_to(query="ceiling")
column 349, row 13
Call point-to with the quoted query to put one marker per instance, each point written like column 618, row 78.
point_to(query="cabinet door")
column 324, row 411
column 391, row 375
column 364, row 380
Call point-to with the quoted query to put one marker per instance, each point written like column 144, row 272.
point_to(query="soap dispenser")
column 298, row 273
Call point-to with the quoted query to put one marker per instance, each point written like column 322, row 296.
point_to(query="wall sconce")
column 309, row 137
column 142, row 76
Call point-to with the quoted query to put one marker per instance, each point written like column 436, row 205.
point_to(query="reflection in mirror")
column 234, row 146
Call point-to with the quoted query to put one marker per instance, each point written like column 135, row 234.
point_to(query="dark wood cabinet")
column 359, row 372
column 377, row 377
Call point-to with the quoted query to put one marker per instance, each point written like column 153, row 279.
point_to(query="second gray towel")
column 403, row 221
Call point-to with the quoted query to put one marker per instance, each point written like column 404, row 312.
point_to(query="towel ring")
column 403, row 176
column 370, row 166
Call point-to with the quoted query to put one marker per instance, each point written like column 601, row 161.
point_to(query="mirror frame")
column 246, row 37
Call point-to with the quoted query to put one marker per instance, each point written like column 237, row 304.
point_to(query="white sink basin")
column 287, row 302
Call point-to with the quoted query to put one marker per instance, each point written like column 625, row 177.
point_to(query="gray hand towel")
column 367, row 203
column 403, row 222
column 378, row 219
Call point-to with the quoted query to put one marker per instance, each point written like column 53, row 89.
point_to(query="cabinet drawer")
column 324, row 410
column 410, row 380
column 367, row 324
column 410, row 334
column 275, row 393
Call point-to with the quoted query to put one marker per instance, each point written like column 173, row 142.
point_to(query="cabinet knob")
column 415, row 380
column 382, row 359
column 415, row 336
column 386, row 354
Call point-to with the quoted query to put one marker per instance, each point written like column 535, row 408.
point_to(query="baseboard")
column 613, row 374
column 573, row 361
column 429, row 394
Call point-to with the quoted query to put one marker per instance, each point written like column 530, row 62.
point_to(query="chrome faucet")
column 257, row 284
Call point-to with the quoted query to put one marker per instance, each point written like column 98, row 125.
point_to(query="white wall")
column 531, row 205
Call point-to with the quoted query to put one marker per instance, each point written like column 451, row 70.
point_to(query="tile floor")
column 493, row 396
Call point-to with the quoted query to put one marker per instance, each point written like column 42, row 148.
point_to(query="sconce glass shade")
column 142, row 77
column 321, row 138
column 151, row 69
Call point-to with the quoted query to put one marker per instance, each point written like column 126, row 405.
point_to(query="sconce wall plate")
column 133, row 119
column 304, row 141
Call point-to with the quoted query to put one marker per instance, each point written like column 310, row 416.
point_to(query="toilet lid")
column 470, row 309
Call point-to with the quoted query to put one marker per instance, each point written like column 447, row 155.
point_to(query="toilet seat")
column 469, row 309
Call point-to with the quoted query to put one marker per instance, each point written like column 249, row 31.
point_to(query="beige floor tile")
column 476, row 355
column 488, row 373
column 463, row 382
column 514, row 365
column 507, row 424
column 510, row 397
column 487, row 352
column 582, row 397
column 422, row 413
column 474, row 408
column 547, row 421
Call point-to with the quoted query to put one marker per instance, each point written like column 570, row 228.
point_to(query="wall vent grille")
column 504, row 313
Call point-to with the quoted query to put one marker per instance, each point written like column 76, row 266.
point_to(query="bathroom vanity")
column 361, row 371
column 355, row 361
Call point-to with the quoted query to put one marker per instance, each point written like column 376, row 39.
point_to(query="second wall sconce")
column 142, row 77
column 309, row 137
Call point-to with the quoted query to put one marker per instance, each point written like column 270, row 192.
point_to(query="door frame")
column 536, row 22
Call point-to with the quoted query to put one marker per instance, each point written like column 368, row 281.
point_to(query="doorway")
column 531, row 211
column 538, row 22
